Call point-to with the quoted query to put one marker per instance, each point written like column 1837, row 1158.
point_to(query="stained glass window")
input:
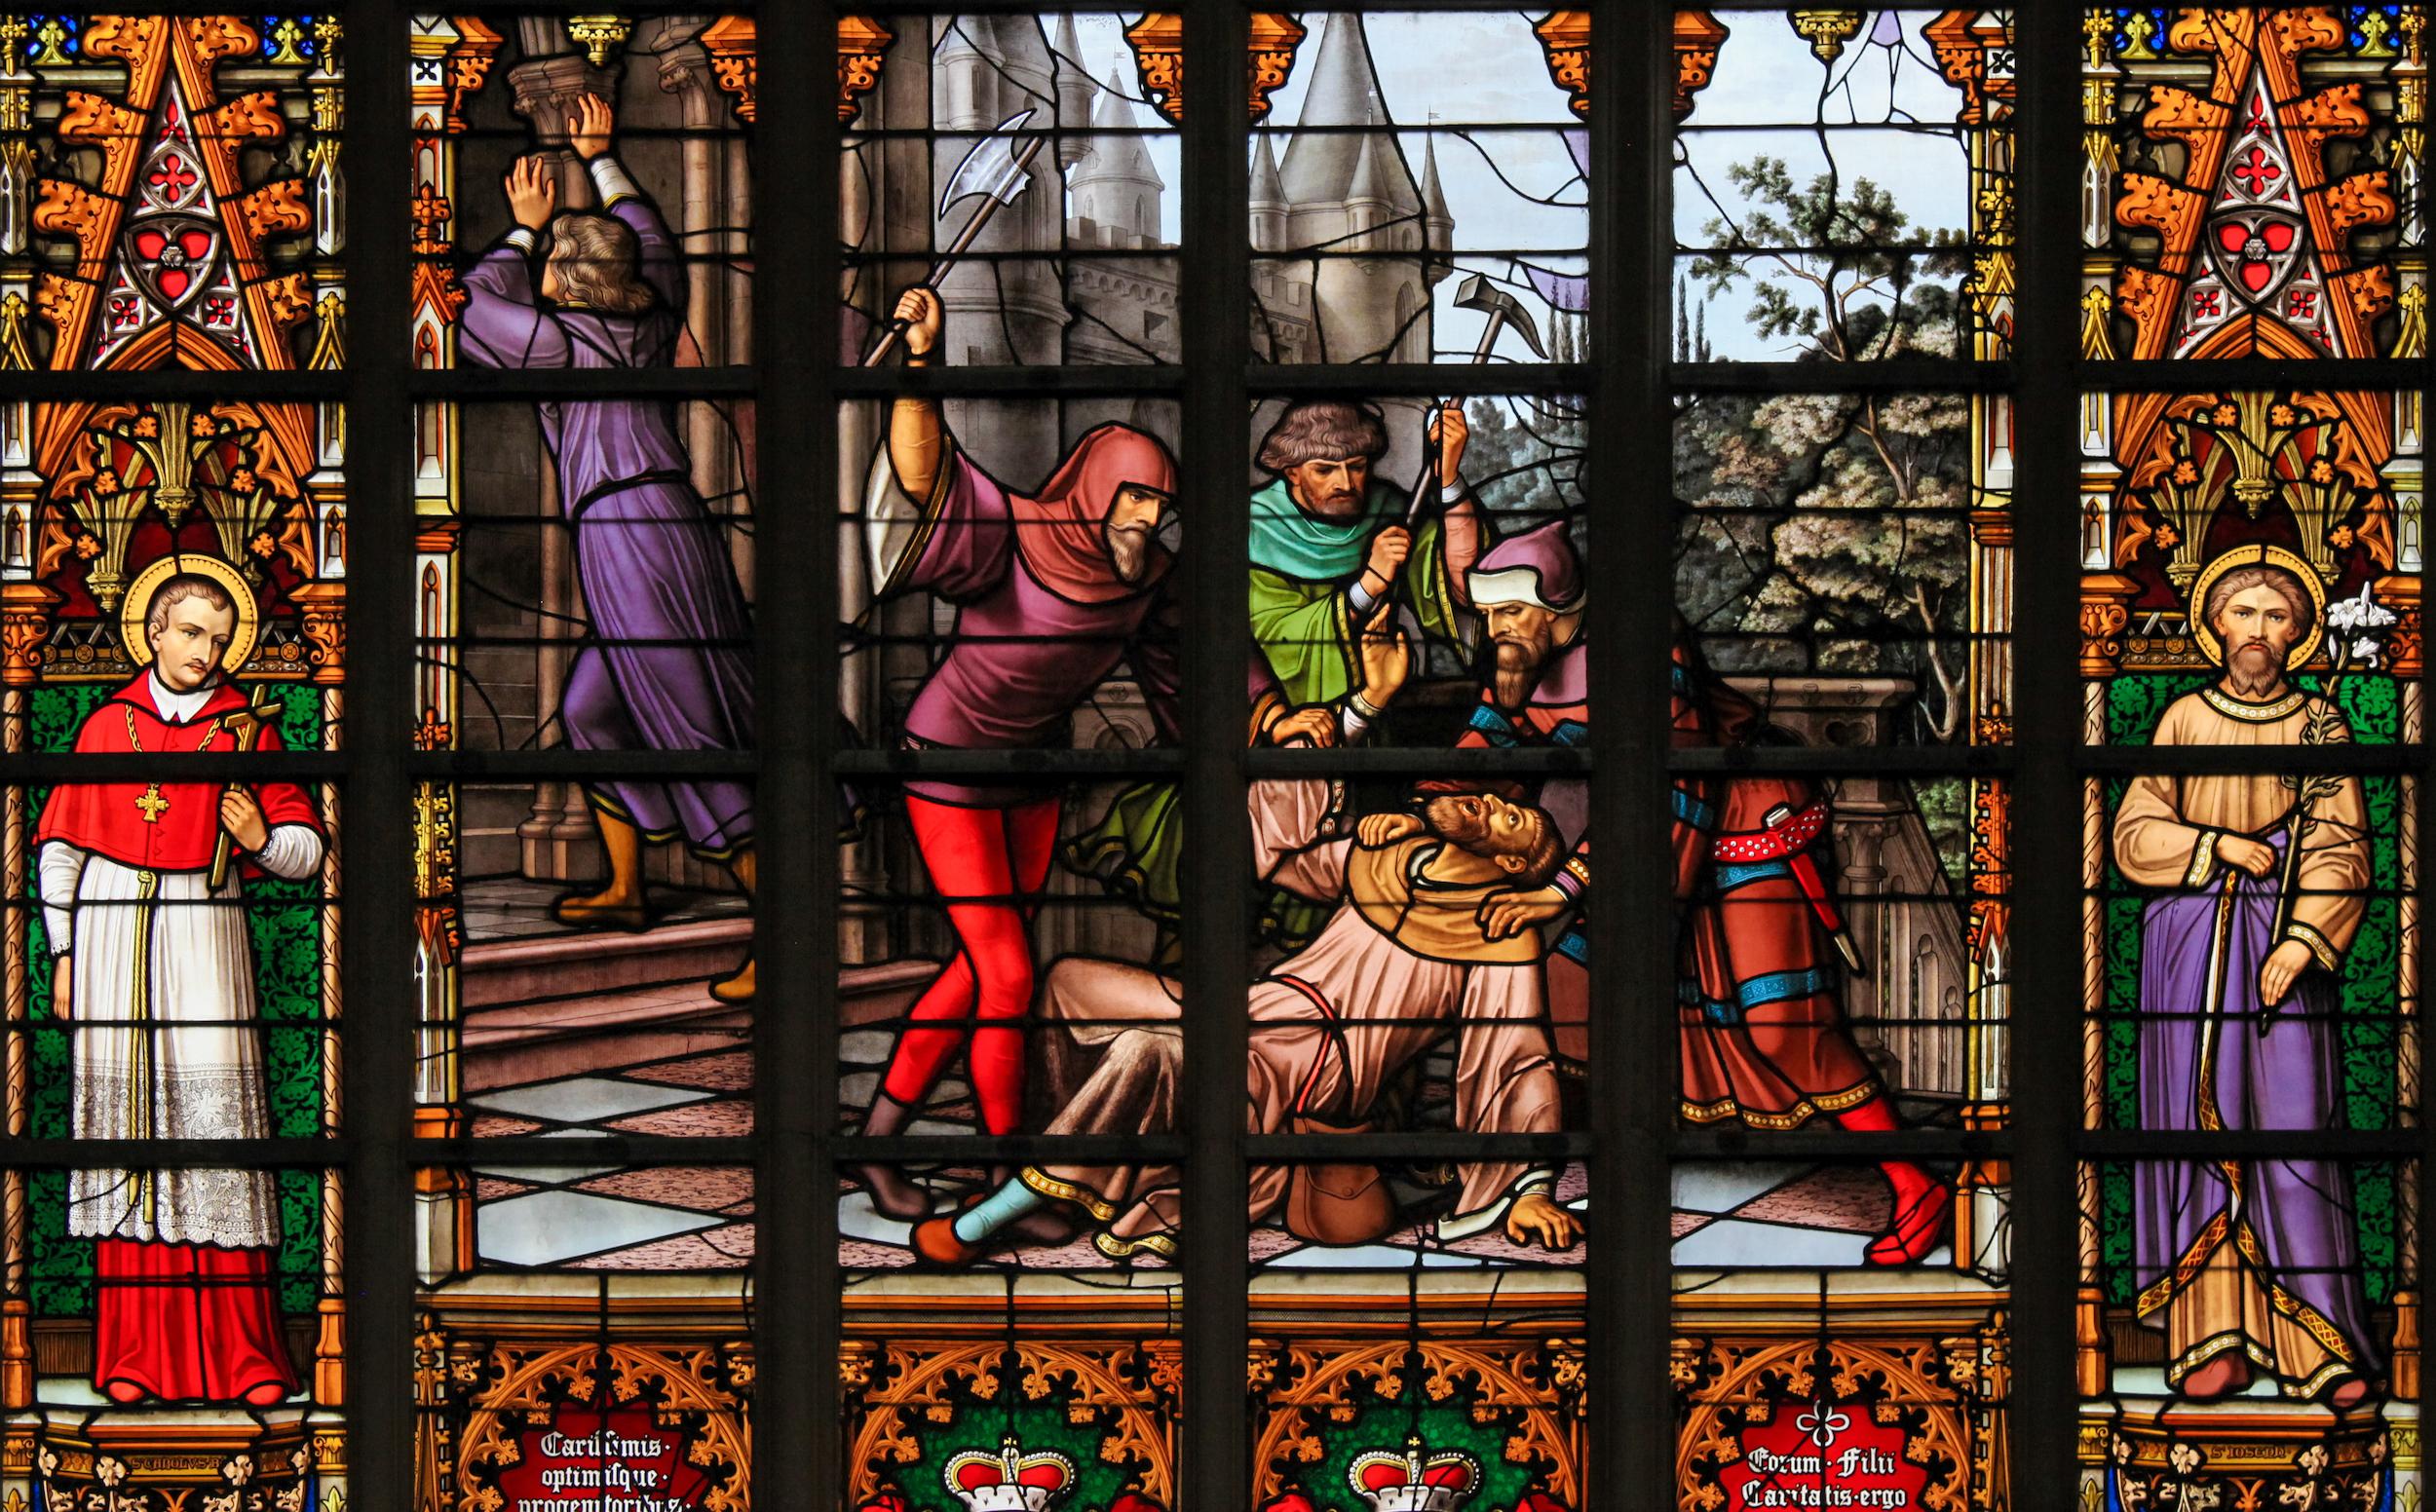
column 642, row 891
column 2250, row 588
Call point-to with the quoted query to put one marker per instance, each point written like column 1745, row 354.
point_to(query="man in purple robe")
column 2248, row 1265
column 668, row 665
column 1053, row 590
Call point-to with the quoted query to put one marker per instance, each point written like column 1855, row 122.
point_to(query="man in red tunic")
column 1764, row 1038
column 153, row 966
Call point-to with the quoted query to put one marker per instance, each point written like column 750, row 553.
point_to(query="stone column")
column 557, row 834
column 26, row 610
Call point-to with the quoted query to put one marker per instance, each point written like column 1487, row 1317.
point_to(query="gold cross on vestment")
column 153, row 804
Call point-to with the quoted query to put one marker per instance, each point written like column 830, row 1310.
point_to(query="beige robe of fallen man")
column 1403, row 964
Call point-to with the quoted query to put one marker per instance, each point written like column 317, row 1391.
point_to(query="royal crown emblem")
column 1009, row 1481
column 1414, row 1481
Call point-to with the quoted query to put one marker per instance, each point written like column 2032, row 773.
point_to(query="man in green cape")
column 1330, row 544
column 1330, row 549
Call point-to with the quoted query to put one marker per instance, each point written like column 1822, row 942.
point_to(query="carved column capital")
column 24, row 624
column 324, row 606
column 2104, row 613
column 685, row 70
column 546, row 87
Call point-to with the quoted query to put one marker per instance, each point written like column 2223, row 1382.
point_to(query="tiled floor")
column 601, row 1081
column 1779, row 1215
column 661, row 1218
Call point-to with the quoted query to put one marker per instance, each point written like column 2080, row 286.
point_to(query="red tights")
column 985, row 863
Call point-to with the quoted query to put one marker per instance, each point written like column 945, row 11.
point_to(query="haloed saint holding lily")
column 2260, row 887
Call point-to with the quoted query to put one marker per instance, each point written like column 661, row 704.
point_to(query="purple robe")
column 668, row 666
column 1021, row 659
column 2202, row 1072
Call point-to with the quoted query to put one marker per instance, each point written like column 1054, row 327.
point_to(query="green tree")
column 1830, row 527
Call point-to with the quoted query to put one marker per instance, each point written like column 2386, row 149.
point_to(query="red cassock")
column 178, row 1321
column 1764, row 1038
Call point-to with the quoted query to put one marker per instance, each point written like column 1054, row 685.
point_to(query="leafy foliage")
column 1849, row 293
column 1829, row 533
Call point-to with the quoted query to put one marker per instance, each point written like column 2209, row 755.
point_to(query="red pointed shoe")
column 1916, row 1231
column 935, row 1241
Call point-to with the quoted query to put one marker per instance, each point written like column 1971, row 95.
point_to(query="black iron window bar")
column 1632, row 1140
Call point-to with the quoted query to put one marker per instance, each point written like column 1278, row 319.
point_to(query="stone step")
column 587, row 961
column 517, row 1043
column 877, row 993
column 513, row 1043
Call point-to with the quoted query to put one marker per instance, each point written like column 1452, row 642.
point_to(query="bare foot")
column 1043, row 1226
column 2220, row 1377
column 893, row 1195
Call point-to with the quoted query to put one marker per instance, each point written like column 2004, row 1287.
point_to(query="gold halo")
column 2258, row 555
column 136, row 607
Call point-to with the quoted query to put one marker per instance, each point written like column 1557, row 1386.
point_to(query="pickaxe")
column 998, row 173
column 1502, row 310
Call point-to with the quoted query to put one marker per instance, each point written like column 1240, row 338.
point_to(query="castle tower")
column 1269, row 207
column 1370, row 207
column 1438, row 222
column 1349, row 190
column 1115, row 188
column 1074, row 94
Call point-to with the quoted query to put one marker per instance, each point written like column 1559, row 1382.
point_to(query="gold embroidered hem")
column 2219, row 1299
column 2202, row 860
column 1114, row 1248
column 1083, row 1197
column 2319, row 945
column 1793, row 1118
column 2265, row 713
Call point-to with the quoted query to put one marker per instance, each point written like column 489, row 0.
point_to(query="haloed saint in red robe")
column 162, row 992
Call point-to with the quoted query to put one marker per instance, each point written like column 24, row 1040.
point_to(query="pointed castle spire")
column 1436, row 221
column 1319, row 165
column 1116, row 185
column 1267, row 200
column 1075, row 89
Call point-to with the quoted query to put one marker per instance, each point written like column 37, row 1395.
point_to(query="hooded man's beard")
column 2254, row 669
column 1517, row 670
column 1129, row 548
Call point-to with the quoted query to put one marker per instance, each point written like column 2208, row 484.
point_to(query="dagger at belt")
column 1787, row 836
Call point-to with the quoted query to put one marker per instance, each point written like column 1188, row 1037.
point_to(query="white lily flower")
column 2359, row 614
